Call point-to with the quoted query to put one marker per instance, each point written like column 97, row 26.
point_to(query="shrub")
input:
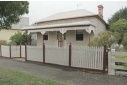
column 105, row 38
column 16, row 38
column 3, row 42
column 20, row 38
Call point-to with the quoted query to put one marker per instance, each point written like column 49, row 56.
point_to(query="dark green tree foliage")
column 119, row 26
column 16, row 38
column 10, row 11
column 105, row 38
column 124, row 42
column 20, row 38
column 121, row 14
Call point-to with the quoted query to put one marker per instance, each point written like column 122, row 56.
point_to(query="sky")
column 41, row 9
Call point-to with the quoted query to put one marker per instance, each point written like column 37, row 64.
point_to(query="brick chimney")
column 100, row 11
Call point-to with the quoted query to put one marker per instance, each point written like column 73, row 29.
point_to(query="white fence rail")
column 5, row 51
column 117, row 57
column 23, row 51
column 35, row 53
column 87, row 57
column 15, row 51
column 57, row 55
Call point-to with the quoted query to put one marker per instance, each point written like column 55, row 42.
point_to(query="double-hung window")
column 79, row 35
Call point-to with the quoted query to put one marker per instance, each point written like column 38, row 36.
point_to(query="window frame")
column 46, row 35
column 81, row 33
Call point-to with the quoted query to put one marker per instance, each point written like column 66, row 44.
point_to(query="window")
column 79, row 36
column 45, row 37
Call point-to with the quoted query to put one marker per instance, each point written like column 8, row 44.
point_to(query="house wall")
column 39, row 39
column 6, row 34
column 70, row 38
column 52, row 39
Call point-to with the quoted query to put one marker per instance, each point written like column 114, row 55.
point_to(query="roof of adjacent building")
column 68, row 14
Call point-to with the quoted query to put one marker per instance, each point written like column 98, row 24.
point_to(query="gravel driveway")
column 69, row 76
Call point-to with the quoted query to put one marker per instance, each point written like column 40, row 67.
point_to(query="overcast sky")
column 41, row 9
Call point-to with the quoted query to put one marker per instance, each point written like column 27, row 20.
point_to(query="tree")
column 124, row 42
column 120, row 14
column 119, row 26
column 105, row 38
column 16, row 38
column 20, row 38
column 10, row 12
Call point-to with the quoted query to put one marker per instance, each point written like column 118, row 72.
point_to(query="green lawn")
column 12, row 77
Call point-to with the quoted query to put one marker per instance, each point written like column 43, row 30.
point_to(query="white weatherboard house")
column 77, row 27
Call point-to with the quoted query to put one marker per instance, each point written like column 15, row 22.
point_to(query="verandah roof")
column 84, row 25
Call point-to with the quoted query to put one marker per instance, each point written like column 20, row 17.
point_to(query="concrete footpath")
column 65, row 75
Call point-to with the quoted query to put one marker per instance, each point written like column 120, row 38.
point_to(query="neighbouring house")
column 77, row 26
column 6, row 34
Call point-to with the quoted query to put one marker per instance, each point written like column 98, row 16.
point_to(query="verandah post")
column 43, row 52
column 70, row 52
column 25, row 52
column 10, row 50
column 104, row 59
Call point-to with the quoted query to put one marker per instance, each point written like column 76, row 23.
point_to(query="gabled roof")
column 66, row 15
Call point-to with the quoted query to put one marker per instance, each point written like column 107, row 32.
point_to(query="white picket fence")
column 114, row 69
column 81, row 56
column 87, row 57
column 35, row 53
column 15, row 51
column 57, row 55
column 5, row 51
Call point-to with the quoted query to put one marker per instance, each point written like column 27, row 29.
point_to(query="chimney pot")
column 100, row 11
